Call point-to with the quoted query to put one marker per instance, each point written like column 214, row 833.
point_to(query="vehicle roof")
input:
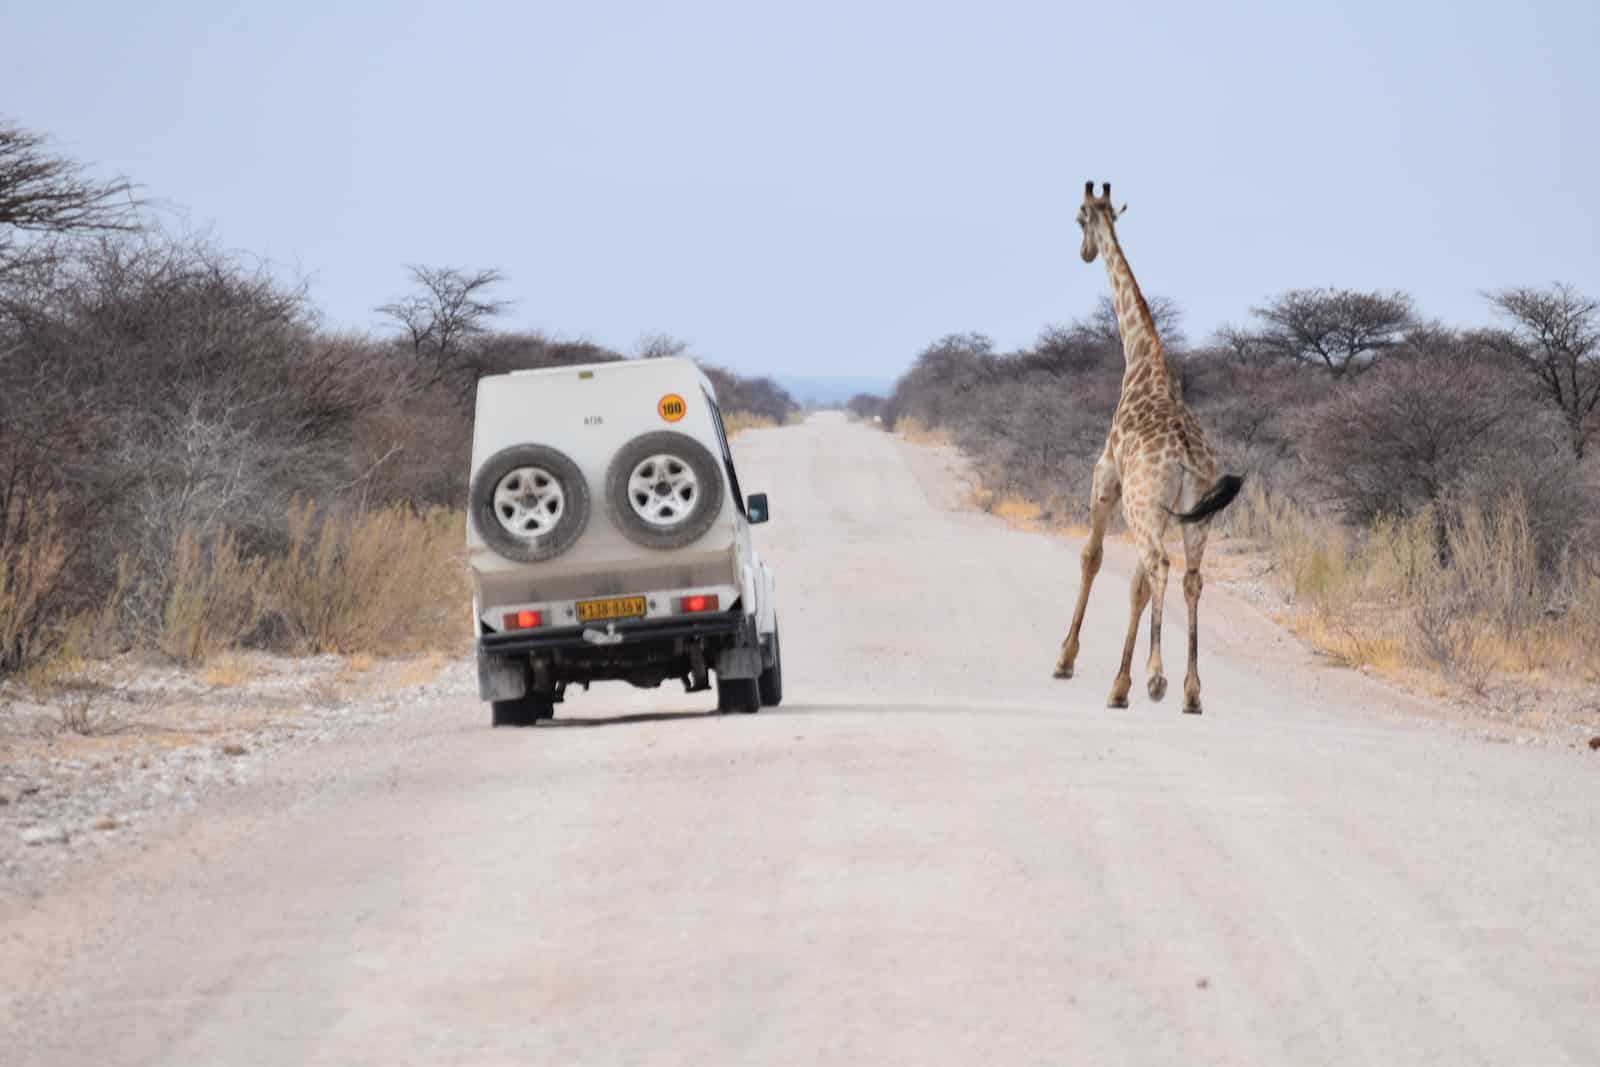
column 662, row 366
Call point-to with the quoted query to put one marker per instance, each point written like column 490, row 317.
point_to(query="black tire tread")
column 771, row 680
column 566, row 533
column 707, row 468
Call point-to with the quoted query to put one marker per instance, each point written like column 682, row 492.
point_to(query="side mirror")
column 755, row 508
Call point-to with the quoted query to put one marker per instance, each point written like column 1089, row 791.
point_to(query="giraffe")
column 1157, row 463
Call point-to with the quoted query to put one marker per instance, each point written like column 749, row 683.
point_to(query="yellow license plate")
column 619, row 607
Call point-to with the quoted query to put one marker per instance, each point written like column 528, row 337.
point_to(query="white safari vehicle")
column 609, row 539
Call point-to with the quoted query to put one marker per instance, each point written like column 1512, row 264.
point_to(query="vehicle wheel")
column 771, row 680
column 524, row 711
column 738, row 694
column 664, row 489
column 529, row 503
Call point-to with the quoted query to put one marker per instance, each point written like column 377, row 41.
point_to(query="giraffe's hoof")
column 1157, row 687
column 1062, row 672
column 1117, row 702
column 1191, row 709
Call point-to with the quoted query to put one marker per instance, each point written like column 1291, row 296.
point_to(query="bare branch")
column 42, row 194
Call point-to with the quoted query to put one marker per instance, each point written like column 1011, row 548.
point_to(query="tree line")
column 1344, row 400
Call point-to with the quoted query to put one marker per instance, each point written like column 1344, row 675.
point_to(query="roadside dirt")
column 135, row 742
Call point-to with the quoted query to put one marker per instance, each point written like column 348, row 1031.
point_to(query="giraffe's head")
column 1095, row 209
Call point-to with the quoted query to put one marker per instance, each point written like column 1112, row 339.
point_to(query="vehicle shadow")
column 627, row 720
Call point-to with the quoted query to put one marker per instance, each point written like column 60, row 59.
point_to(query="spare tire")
column 529, row 502
column 664, row 489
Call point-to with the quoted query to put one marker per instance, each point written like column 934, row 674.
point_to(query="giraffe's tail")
column 1219, row 496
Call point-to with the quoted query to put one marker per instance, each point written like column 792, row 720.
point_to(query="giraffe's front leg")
column 1106, row 491
column 1138, row 593
column 1089, row 566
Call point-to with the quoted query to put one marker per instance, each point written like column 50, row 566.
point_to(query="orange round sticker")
column 671, row 407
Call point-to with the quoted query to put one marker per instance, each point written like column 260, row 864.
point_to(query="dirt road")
column 932, row 853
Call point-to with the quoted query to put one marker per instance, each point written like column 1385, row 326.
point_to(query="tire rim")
column 529, row 502
column 663, row 490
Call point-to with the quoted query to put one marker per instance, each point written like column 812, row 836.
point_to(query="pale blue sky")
column 825, row 188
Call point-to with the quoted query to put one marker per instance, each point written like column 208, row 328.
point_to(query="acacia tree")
column 1555, row 332
column 43, row 194
column 1341, row 329
column 439, row 319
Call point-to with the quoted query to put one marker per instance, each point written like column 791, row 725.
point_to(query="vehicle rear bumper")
column 723, row 624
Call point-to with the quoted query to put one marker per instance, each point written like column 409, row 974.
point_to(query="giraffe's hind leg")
column 1156, row 565
column 1107, row 491
column 1148, row 512
column 1194, row 550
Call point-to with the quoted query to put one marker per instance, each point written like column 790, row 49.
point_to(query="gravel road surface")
column 932, row 853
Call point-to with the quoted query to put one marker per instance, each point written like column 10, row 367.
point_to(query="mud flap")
column 501, row 677
column 739, row 662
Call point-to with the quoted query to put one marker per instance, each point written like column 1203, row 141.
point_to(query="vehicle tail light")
column 697, row 603
column 523, row 620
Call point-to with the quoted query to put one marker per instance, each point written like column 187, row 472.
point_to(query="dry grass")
column 1458, row 592
column 918, row 432
column 1014, row 509
column 418, row 671
column 229, row 671
column 357, row 670
column 737, row 422
column 1017, row 509
column 216, row 598
column 33, row 552
column 379, row 582
column 389, row 581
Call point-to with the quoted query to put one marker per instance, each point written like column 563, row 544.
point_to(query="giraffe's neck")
column 1140, row 344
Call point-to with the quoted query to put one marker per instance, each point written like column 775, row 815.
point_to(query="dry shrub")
column 381, row 581
column 215, row 599
column 33, row 552
column 1412, row 429
column 78, row 709
column 1482, row 604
